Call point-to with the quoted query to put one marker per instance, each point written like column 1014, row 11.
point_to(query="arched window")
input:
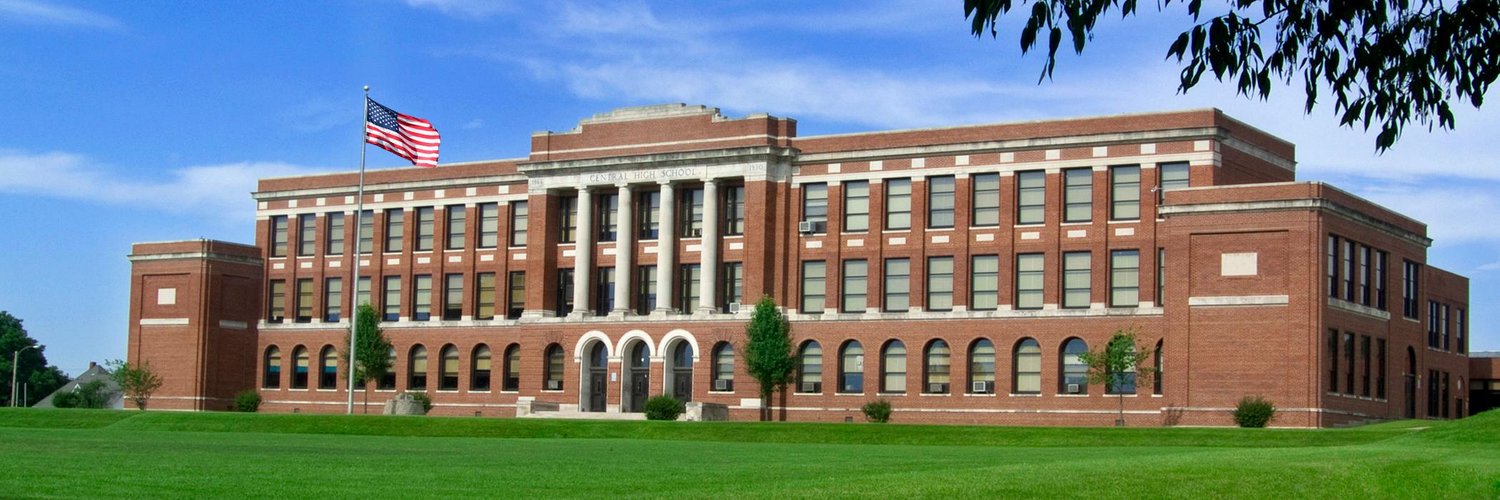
column 299, row 369
column 1156, row 379
column 893, row 367
column 449, row 381
column 852, row 367
column 512, row 381
column 328, row 373
column 479, row 374
column 1027, row 367
column 935, row 368
column 810, row 368
column 1074, row 374
column 416, row 369
column 272, row 376
column 682, row 371
column 554, row 368
column 1122, row 383
column 723, row 367
column 982, row 367
column 387, row 382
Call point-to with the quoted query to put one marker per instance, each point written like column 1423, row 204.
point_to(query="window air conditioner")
column 812, row 387
column 734, row 308
column 554, row 385
column 722, row 385
column 937, row 388
column 1073, row 389
column 981, row 387
column 805, row 227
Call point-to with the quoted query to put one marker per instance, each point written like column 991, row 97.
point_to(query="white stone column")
column 583, row 254
column 624, row 251
column 666, row 248
column 709, row 262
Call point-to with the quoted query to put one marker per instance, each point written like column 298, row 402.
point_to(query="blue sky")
column 151, row 120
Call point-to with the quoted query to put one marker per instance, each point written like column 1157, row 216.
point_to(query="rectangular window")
column 814, row 286
column 1364, row 357
column 815, row 203
column 421, row 293
column 733, row 284
column 897, row 285
column 333, row 238
column 898, row 204
column 1076, row 279
column 1364, row 275
column 1349, row 249
column 484, row 287
column 1029, row 281
column 734, row 210
column 604, row 291
column 1173, row 176
column 984, row 283
column 564, row 299
column 645, row 289
column 1434, row 338
column 940, row 201
column 1333, row 266
column 568, row 227
column 307, row 233
column 1461, row 329
column 362, row 292
column 1125, row 192
column 425, row 229
column 609, row 216
column 1078, row 194
column 1411, row 285
column 688, row 278
column 516, row 296
column 1380, row 277
column 650, row 214
column 856, row 206
column 1124, row 278
column 986, row 200
column 1443, row 327
column 304, row 300
column 519, row 212
column 1380, row 370
column 1031, row 197
column 395, row 226
column 367, row 231
column 458, row 226
column 1161, row 277
column 939, row 283
column 1333, row 361
column 333, row 299
column 453, row 297
column 1349, row 363
column 278, row 236
column 856, row 286
column 489, row 225
column 690, row 213
column 392, row 305
column 276, row 306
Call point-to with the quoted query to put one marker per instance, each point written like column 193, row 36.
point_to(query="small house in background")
column 95, row 372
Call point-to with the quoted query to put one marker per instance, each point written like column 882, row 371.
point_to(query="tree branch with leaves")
column 768, row 353
column 373, row 362
column 137, row 381
column 1122, row 358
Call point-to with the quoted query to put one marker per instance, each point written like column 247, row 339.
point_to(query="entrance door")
column 1411, row 383
column 640, row 376
column 682, row 372
column 598, row 366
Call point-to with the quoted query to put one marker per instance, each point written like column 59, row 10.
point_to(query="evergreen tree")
column 768, row 354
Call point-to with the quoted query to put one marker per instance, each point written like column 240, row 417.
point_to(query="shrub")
column 1254, row 411
column 66, row 398
column 664, row 407
column 421, row 397
column 878, row 411
column 91, row 394
column 247, row 401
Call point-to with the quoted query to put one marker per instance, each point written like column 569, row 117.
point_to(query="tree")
column 1390, row 61
column 372, row 362
column 768, row 354
column 1121, row 360
column 91, row 394
column 137, row 381
column 41, row 379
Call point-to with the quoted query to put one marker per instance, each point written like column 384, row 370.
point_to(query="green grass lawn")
column 84, row 453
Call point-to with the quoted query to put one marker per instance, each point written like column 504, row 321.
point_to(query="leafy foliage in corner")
column 664, row 407
column 40, row 378
column 247, row 401
column 1390, row 61
column 137, row 381
column 372, row 361
column 91, row 394
column 878, row 411
column 768, row 354
column 1254, row 411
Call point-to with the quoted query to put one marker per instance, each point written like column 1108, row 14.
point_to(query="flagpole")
column 359, row 212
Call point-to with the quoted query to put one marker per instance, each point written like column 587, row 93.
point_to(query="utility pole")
column 15, row 367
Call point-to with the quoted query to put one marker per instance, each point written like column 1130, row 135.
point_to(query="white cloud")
column 474, row 124
column 1448, row 206
column 474, row 9
column 1493, row 266
column 34, row 12
column 218, row 189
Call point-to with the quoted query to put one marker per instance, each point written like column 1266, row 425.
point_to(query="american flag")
column 407, row 136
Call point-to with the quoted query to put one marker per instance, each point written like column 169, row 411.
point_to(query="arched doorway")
column 681, row 371
column 598, row 368
column 638, row 376
column 1411, row 383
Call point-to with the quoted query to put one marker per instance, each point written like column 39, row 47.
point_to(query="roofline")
column 1216, row 111
column 440, row 165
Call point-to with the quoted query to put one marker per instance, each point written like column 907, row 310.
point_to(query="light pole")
column 15, row 367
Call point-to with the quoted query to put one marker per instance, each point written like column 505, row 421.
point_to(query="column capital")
column 664, row 182
column 585, row 189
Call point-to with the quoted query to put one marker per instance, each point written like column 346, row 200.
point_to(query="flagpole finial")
column 367, row 88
